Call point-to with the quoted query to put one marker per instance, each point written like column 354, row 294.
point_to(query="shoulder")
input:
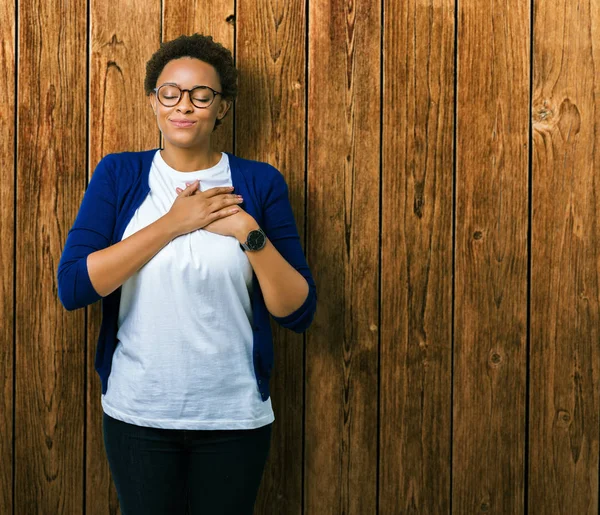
column 125, row 166
column 264, row 177
column 256, row 168
column 127, row 158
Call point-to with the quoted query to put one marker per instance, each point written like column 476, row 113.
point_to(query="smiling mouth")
column 182, row 124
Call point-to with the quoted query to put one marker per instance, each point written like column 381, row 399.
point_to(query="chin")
column 183, row 142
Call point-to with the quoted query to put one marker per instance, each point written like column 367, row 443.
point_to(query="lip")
column 182, row 123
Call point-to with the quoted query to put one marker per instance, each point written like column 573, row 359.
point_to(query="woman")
column 190, row 251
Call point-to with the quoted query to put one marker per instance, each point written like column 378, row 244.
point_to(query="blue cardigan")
column 118, row 187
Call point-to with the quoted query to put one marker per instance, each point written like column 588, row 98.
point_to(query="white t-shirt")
column 184, row 354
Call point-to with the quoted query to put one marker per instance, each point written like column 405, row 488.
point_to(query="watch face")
column 256, row 240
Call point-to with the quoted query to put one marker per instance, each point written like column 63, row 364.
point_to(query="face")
column 187, row 73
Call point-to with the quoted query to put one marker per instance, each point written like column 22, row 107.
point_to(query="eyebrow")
column 196, row 86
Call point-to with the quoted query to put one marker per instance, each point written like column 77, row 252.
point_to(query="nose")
column 185, row 103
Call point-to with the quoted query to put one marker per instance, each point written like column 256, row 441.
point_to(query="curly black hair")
column 203, row 48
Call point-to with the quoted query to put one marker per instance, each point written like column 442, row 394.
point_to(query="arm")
column 283, row 287
column 89, row 268
column 109, row 268
column 280, row 266
column 91, row 231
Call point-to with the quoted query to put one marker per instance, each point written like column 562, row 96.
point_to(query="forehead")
column 188, row 72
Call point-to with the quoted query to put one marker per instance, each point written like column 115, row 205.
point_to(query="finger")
column 219, row 190
column 190, row 189
column 223, row 213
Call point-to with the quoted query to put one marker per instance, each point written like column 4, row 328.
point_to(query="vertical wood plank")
column 270, row 127
column 565, row 259
column 416, row 269
column 121, row 119
column 343, row 247
column 50, row 352
column 217, row 19
column 7, row 207
column 491, row 257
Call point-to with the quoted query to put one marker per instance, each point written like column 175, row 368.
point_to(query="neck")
column 190, row 159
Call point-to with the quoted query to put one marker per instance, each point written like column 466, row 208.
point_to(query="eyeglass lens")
column 169, row 96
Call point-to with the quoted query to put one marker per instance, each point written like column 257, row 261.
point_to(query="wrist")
column 167, row 227
column 242, row 234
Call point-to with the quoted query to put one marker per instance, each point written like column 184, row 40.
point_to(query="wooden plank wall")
column 490, row 309
column 343, row 250
column 49, row 342
column 416, row 258
column 565, row 256
column 442, row 163
column 7, row 250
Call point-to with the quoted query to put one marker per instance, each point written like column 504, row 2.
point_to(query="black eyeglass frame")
column 182, row 91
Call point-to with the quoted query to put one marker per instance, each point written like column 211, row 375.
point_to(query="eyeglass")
column 170, row 95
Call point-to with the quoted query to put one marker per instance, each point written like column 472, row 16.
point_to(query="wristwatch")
column 256, row 240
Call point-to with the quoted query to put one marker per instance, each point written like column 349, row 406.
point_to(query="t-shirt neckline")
column 206, row 173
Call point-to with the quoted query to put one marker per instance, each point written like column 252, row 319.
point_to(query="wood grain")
column 565, row 261
column 270, row 127
column 50, row 344
column 7, row 249
column 416, row 258
column 491, row 258
column 217, row 19
column 450, row 296
column 343, row 248
column 121, row 119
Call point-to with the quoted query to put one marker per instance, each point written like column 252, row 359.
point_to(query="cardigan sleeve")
column 280, row 227
column 91, row 231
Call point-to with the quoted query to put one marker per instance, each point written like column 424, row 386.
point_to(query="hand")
column 238, row 224
column 195, row 209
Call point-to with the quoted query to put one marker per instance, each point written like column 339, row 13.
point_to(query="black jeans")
column 178, row 471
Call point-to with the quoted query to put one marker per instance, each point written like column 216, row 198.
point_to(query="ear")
column 223, row 108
